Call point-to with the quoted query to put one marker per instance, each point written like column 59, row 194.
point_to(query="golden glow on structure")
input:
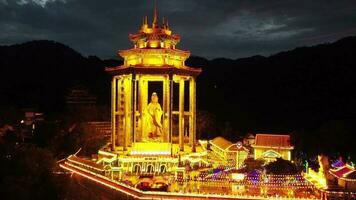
column 138, row 194
column 150, row 149
column 130, row 100
column 95, row 179
column 237, row 176
column 153, row 59
column 270, row 147
column 317, row 178
column 154, row 46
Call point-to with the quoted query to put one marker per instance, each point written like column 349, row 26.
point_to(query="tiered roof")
column 154, row 52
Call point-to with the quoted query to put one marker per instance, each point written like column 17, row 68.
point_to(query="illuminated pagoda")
column 143, row 105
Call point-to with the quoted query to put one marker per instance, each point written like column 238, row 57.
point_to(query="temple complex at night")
column 154, row 152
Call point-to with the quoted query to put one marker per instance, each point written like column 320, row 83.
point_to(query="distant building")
column 345, row 177
column 79, row 103
column 233, row 153
column 249, row 139
column 100, row 128
column 270, row 147
column 79, row 95
column 32, row 116
column 341, row 183
column 4, row 129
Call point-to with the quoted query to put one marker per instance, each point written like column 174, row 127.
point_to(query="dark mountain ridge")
column 301, row 88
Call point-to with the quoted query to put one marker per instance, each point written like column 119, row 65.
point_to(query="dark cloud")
column 212, row 28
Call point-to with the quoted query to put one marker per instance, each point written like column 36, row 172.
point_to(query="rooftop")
column 149, row 37
column 273, row 140
column 343, row 172
column 227, row 145
column 221, row 142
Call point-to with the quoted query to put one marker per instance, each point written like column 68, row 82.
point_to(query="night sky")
column 210, row 28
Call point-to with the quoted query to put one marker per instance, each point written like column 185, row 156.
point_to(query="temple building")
column 231, row 154
column 143, row 108
column 249, row 139
column 79, row 102
column 79, row 96
column 345, row 177
column 270, row 147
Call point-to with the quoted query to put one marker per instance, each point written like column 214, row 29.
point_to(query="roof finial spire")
column 155, row 16
column 144, row 23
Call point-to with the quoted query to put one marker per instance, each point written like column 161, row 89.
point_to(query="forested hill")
column 40, row 73
column 298, row 89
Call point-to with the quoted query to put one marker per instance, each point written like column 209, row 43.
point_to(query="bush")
column 281, row 167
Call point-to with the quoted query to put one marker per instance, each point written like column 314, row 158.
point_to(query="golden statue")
column 153, row 116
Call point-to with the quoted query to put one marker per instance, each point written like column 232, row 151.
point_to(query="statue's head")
column 154, row 98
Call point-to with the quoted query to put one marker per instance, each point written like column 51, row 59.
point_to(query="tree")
column 252, row 164
column 26, row 172
column 206, row 124
column 281, row 167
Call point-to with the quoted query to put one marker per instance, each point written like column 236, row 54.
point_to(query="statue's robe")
column 153, row 125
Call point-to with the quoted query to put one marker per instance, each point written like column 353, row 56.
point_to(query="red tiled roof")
column 270, row 140
column 340, row 172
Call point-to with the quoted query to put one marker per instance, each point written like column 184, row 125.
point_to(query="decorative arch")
column 107, row 168
column 271, row 154
column 137, row 169
column 150, row 168
column 163, row 169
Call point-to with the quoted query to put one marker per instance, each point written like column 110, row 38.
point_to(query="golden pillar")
column 113, row 112
column 119, row 111
column 170, row 111
column 140, row 110
column 192, row 113
column 134, row 111
column 181, row 114
column 166, row 109
column 128, row 111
